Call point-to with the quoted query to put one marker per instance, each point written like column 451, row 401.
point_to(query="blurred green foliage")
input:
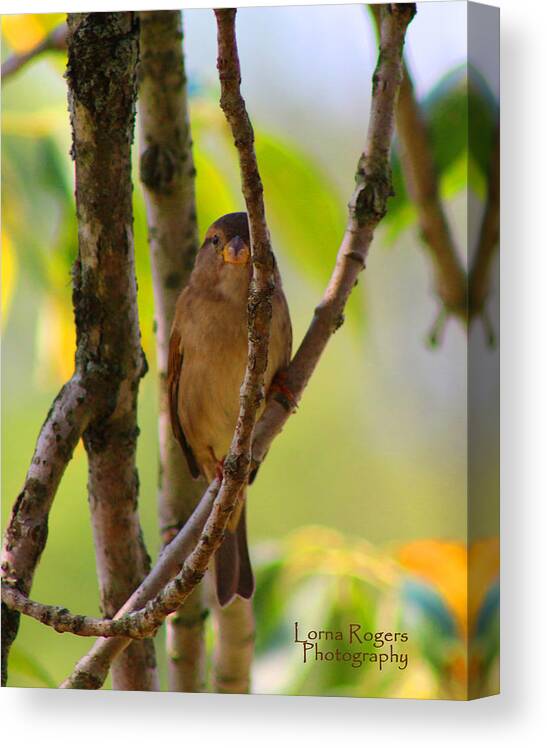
column 463, row 159
column 363, row 431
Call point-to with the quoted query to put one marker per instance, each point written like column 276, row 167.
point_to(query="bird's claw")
column 282, row 393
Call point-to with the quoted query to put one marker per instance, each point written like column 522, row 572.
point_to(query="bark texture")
column 168, row 174
column 234, row 647
column 26, row 533
column 102, row 83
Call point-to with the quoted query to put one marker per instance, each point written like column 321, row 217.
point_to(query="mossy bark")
column 103, row 50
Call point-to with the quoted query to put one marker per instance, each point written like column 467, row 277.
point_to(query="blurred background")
column 360, row 511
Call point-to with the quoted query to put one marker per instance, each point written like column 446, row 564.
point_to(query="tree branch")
column 27, row 529
column 422, row 183
column 62, row 620
column 366, row 208
column 479, row 280
column 167, row 174
column 102, row 88
column 91, row 671
column 55, row 41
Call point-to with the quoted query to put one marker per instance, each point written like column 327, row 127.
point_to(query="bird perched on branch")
column 207, row 361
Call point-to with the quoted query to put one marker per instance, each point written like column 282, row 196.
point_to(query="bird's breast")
column 215, row 357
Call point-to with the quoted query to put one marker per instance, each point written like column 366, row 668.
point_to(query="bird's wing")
column 174, row 368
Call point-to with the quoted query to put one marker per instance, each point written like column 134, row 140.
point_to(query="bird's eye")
column 215, row 240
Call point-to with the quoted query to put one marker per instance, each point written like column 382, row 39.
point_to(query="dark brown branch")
column 481, row 268
column 55, row 41
column 366, row 208
column 168, row 175
column 27, row 529
column 102, row 86
column 422, row 183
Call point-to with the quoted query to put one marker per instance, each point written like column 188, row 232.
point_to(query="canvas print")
column 250, row 350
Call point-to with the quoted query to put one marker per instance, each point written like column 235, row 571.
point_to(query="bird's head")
column 223, row 262
column 228, row 240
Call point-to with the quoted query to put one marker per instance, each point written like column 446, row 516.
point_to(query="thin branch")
column 27, row 529
column 91, row 671
column 366, row 209
column 54, row 41
column 61, row 619
column 481, row 269
column 102, row 87
column 168, row 175
column 422, row 183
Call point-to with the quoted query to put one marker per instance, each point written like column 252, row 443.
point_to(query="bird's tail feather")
column 233, row 573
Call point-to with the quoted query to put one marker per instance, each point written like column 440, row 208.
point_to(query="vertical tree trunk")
column 101, row 75
column 235, row 629
column 167, row 173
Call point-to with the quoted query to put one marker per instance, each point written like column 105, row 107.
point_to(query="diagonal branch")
column 366, row 208
column 479, row 280
column 27, row 529
column 54, row 41
column 422, row 183
column 168, row 175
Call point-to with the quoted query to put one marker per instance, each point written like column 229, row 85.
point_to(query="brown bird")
column 207, row 361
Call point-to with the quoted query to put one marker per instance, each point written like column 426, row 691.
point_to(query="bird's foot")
column 282, row 393
column 219, row 470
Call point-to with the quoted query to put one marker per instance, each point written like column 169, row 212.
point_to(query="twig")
column 102, row 88
column 92, row 669
column 168, row 176
column 62, row 620
column 169, row 563
column 27, row 529
column 54, row 41
column 422, row 183
column 481, row 269
column 366, row 209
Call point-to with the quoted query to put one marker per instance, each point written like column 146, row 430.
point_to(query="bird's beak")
column 236, row 252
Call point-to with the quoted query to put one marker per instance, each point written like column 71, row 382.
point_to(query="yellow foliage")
column 444, row 565
column 35, row 125
column 56, row 342
column 9, row 275
column 23, row 32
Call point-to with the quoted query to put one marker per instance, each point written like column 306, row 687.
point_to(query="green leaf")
column 21, row 663
column 461, row 115
column 304, row 210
